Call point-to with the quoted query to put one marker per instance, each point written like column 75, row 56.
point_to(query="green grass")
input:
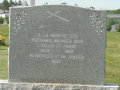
column 112, row 56
column 4, row 31
column 3, row 63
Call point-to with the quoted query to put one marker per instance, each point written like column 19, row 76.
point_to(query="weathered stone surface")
column 57, row 44
column 4, row 85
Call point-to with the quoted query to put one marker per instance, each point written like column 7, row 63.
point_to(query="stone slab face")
column 4, row 85
column 57, row 44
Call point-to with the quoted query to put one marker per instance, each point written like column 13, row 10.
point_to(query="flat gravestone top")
column 57, row 44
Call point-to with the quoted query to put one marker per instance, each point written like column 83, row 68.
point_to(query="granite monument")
column 60, row 44
column 57, row 47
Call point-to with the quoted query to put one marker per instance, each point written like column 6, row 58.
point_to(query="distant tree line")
column 6, row 4
column 113, row 11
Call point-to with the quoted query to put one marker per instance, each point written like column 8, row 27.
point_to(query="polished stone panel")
column 57, row 44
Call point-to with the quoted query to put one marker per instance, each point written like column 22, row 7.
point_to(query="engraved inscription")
column 57, row 46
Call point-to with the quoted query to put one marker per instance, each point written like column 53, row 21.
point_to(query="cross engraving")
column 55, row 14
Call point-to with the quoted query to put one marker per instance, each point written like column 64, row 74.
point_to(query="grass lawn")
column 3, row 63
column 4, row 31
column 4, row 53
column 112, row 56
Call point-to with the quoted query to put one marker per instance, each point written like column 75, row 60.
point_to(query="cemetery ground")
column 112, row 56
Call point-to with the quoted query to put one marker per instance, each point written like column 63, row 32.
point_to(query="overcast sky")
column 98, row 4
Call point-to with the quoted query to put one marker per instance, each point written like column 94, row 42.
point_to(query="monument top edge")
column 59, row 5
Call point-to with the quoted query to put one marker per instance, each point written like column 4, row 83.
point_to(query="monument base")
column 5, row 85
